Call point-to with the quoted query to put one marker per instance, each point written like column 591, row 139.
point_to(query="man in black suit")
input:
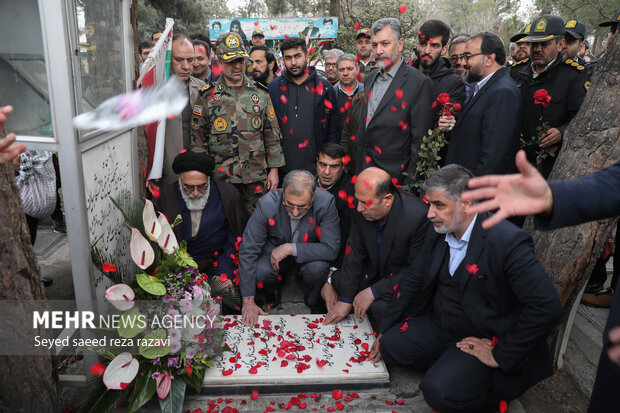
column 387, row 231
column 528, row 193
column 474, row 309
column 396, row 112
column 485, row 138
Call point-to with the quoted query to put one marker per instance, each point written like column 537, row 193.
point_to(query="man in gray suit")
column 295, row 227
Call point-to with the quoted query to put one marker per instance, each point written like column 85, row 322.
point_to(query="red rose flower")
column 541, row 97
column 443, row 98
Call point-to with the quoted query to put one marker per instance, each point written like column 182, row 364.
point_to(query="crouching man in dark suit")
column 387, row 231
column 297, row 226
column 474, row 308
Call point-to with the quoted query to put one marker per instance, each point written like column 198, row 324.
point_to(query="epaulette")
column 206, row 87
column 520, row 62
column 574, row 64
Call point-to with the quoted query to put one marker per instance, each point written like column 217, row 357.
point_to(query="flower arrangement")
column 542, row 98
column 168, row 311
column 432, row 145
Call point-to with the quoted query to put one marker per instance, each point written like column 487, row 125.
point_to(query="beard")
column 474, row 77
column 451, row 224
column 301, row 72
column 383, row 63
column 195, row 203
column 260, row 77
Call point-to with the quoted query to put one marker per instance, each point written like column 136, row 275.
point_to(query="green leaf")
column 144, row 387
column 196, row 378
column 130, row 325
column 151, row 352
column 174, row 402
column 151, row 284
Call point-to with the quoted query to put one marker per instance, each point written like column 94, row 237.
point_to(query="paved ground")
column 558, row 394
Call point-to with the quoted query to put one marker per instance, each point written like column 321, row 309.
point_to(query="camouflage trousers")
column 251, row 193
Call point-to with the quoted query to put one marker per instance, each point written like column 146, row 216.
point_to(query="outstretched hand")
column 525, row 193
column 8, row 149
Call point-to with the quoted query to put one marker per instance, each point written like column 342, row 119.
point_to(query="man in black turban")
column 212, row 211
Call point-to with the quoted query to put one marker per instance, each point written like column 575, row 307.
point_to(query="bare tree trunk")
column 591, row 143
column 334, row 8
column 133, row 18
column 27, row 383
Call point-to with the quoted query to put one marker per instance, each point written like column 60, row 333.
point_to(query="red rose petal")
column 337, row 394
column 254, row 395
column 503, row 406
column 97, row 369
column 399, row 94
column 106, row 267
column 402, row 8
column 155, row 192
column 357, row 25
column 472, row 269
column 272, row 222
column 404, row 327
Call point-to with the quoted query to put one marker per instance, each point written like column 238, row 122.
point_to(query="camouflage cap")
column 363, row 32
column 229, row 46
column 258, row 32
column 613, row 21
column 576, row 29
column 545, row 27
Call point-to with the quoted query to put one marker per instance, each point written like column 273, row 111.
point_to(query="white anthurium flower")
column 149, row 219
column 121, row 296
column 166, row 240
column 121, row 371
column 141, row 251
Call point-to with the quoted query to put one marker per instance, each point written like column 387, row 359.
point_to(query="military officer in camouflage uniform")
column 234, row 121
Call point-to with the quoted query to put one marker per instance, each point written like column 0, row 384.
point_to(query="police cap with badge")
column 517, row 38
column 613, row 22
column 258, row 32
column 576, row 29
column 362, row 32
column 229, row 47
column 544, row 28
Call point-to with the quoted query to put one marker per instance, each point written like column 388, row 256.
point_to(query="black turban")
column 193, row 161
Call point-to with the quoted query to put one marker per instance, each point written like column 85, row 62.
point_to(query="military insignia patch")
column 250, row 69
column 587, row 85
column 220, row 124
column 220, row 87
column 256, row 108
column 232, row 41
column 272, row 113
column 195, row 122
column 255, row 98
column 197, row 110
column 527, row 28
column 541, row 26
column 571, row 24
column 217, row 96
column 256, row 122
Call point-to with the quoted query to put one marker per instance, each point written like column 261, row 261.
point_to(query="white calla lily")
column 121, row 296
column 141, row 251
column 167, row 240
column 121, row 371
column 149, row 219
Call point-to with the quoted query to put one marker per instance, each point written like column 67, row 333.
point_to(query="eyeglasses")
column 300, row 208
column 200, row 188
column 464, row 56
column 330, row 64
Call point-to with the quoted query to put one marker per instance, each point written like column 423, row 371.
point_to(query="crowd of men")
column 309, row 173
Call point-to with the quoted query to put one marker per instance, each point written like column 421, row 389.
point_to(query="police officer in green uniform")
column 363, row 46
column 234, row 121
column 565, row 81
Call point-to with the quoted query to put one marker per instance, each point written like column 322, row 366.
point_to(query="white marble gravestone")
column 296, row 350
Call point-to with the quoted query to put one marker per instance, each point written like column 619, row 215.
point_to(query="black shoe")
column 47, row 281
column 273, row 299
column 58, row 226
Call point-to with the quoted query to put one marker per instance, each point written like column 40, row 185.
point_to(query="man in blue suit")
column 474, row 309
column 486, row 137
